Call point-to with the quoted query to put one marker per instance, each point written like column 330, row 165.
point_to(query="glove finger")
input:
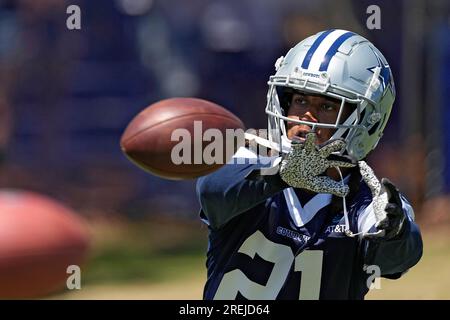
column 393, row 192
column 350, row 162
column 296, row 141
column 331, row 146
column 369, row 178
column 296, row 147
column 341, row 164
column 328, row 185
column 310, row 142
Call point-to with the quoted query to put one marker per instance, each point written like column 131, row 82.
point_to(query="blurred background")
column 67, row 95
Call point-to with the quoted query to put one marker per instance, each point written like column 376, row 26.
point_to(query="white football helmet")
column 342, row 65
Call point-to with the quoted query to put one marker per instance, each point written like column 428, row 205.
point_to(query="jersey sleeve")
column 235, row 188
column 394, row 257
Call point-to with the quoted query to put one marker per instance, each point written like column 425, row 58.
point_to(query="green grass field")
column 162, row 259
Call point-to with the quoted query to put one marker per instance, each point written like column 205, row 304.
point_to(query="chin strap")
column 348, row 232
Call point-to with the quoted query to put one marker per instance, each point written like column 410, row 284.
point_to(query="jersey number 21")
column 309, row 262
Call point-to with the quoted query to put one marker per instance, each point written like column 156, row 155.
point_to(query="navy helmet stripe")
column 333, row 49
column 315, row 45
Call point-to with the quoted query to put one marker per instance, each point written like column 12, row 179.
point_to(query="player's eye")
column 329, row 107
column 300, row 101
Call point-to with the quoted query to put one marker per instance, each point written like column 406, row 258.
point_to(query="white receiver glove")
column 387, row 205
column 304, row 164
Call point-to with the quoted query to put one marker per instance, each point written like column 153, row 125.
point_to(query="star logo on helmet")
column 385, row 73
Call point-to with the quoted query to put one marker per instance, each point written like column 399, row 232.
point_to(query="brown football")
column 152, row 141
column 41, row 239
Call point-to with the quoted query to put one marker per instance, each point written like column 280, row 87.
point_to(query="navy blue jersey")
column 270, row 241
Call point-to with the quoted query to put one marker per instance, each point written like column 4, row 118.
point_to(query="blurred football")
column 168, row 138
column 39, row 239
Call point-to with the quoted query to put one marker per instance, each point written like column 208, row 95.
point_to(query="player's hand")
column 387, row 205
column 306, row 161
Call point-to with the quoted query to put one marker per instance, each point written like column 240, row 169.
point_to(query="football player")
column 320, row 224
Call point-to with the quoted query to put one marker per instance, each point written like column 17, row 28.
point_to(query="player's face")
column 313, row 108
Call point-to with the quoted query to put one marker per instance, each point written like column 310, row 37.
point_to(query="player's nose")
column 310, row 114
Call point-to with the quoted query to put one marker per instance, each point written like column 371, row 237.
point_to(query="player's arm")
column 392, row 239
column 233, row 189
